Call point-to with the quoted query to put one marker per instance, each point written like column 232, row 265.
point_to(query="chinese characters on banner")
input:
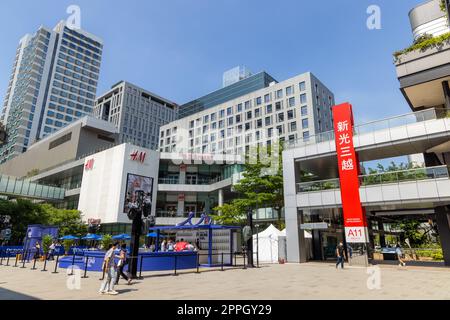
column 355, row 222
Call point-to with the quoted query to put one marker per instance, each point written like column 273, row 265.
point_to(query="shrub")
column 46, row 242
column 67, row 244
column 106, row 241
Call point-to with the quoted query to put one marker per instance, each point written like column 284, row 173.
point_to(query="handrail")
column 427, row 114
column 415, row 174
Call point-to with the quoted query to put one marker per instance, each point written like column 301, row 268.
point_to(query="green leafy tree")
column 69, row 222
column 260, row 187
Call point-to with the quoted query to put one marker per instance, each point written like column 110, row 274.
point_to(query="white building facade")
column 297, row 107
column 53, row 82
column 136, row 113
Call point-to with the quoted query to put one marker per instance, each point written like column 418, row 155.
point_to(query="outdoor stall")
column 214, row 243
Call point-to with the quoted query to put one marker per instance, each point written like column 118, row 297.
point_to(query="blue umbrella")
column 68, row 238
column 155, row 235
column 92, row 237
column 122, row 237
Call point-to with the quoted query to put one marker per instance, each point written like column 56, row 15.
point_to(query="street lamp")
column 141, row 207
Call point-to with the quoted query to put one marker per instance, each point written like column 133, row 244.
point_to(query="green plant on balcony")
column 442, row 5
column 329, row 185
column 423, row 43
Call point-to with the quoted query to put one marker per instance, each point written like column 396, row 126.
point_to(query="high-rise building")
column 53, row 82
column 235, row 75
column 136, row 113
column 245, row 86
column 292, row 110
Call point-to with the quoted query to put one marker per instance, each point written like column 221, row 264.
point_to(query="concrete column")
column 446, row 89
column 182, row 176
column 382, row 236
column 443, row 223
column 221, row 196
column 180, row 207
column 295, row 239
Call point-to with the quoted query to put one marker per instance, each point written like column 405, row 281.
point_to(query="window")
column 305, row 123
column 289, row 91
column 229, row 111
column 239, row 107
column 248, row 105
column 270, row 132
column 191, row 125
column 303, row 98
column 213, row 116
column 238, row 118
column 293, row 126
column 267, row 98
column 257, row 112
column 268, row 121
column 268, row 109
column 302, row 86
column 221, row 114
column 306, row 135
column 279, row 94
column 206, row 119
column 304, row 110
column 291, row 114
column 230, row 121
column 258, row 123
column 280, row 117
column 249, row 115
column 258, row 101
column 291, row 101
column 278, row 106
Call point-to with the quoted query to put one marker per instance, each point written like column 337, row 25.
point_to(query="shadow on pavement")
column 13, row 295
column 410, row 263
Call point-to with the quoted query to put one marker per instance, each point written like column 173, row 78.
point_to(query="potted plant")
column 67, row 244
column 47, row 241
column 106, row 241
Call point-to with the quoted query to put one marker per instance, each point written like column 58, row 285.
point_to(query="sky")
column 179, row 49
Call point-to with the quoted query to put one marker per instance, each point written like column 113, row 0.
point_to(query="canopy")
column 70, row 237
column 122, row 236
column 92, row 237
column 266, row 243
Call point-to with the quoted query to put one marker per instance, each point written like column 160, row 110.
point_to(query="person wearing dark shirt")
column 341, row 256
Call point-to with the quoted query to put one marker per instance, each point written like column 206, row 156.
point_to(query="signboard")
column 355, row 221
column 136, row 184
column 94, row 221
column 138, row 156
column 181, row 197
column 314, row 226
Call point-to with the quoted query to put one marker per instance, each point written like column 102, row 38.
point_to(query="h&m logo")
column 89, row 164
column 138, row 156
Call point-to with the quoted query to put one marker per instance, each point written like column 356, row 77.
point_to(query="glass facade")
column 235, row 90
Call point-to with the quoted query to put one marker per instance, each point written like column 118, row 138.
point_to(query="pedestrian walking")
column 51, row 251
column 121, row 264
column 341, row 256
column 399, row 252
column 110, row 267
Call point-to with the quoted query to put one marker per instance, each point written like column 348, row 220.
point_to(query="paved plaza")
column 288, row 281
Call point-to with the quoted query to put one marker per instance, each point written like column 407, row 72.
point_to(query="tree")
column 69, row 222
column 415, row 231
column 23, row 213
column 261, row 186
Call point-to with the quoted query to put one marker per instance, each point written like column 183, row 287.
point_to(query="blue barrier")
column 150, row 261
column 10, row 251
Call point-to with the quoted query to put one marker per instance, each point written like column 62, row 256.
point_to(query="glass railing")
column 190, row 181
column 397, row 121
column 173, row 214
column 379, row 178
column 26, row 189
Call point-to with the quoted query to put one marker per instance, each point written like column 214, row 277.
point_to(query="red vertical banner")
column 355, row 221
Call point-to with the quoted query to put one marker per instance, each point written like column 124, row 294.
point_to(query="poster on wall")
column 136, row 184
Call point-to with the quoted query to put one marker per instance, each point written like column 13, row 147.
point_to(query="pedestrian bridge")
column 18, row 188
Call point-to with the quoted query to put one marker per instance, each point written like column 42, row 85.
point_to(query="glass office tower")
column 53, row 82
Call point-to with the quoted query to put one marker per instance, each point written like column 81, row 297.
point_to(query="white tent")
column 267, row 244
